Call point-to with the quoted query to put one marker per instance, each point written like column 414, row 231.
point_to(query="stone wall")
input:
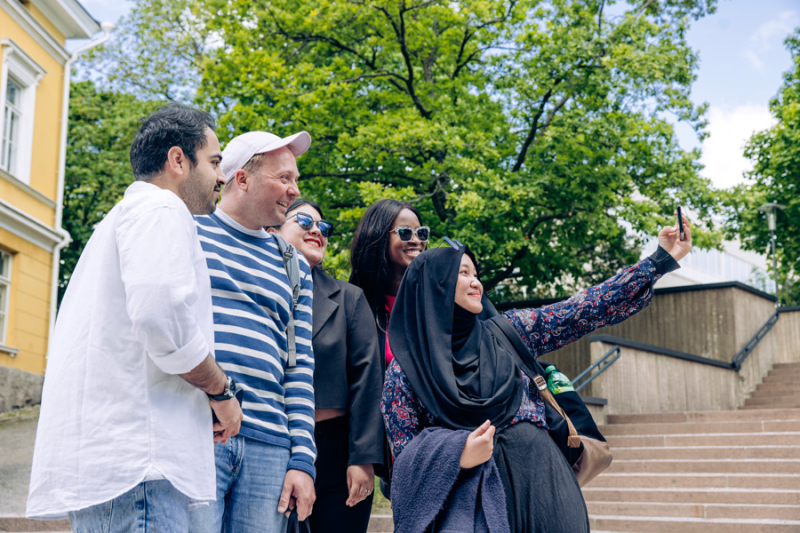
column 19, row 389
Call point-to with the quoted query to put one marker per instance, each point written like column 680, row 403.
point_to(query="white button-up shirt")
column 136, row 313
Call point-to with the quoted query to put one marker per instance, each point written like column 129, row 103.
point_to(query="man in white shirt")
column 125, row 437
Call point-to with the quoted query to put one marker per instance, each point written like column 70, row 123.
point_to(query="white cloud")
column 754, row 60
column 776, row 29
column 770, row 36
column 729, row 131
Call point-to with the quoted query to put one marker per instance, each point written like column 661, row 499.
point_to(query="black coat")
column 348, row 371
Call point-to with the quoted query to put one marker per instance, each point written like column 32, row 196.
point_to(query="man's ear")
column 240, row 179
column 177, row 162
column 270, row 229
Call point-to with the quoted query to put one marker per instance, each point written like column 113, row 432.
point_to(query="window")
column 5, row 282
column 11, row 120
column 19, row 78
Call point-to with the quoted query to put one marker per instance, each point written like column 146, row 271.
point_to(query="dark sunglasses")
column 306, row 222
column 405, row 233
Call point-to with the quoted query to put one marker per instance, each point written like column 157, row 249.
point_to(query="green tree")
column 533, row 131
column 775, row 178
column 101, row 128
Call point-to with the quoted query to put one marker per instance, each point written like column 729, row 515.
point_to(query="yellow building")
column 34, row 67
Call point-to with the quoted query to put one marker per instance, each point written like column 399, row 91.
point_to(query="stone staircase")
column 709, row 472
column 781, row 388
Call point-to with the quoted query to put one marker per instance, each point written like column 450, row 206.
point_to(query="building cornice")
column 23, row 225
column 35, row 29
column 28, row 189
column 69, row 17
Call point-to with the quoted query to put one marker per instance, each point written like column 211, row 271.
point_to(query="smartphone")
column 680, row 225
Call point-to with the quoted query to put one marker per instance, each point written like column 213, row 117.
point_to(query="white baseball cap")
column 239, row 151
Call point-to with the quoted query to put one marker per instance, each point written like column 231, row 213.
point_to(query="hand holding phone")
column 682, row 233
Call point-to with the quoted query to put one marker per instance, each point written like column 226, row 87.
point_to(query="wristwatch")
column 228, row 394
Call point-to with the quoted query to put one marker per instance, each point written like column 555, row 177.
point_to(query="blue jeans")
column 249, row 484
column 149, row 507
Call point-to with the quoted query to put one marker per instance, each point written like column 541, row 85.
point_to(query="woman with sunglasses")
column 388, row 238
column 349, row 429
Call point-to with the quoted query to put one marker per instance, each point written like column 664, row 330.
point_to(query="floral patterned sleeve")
column 554, row 326
column 403, row 414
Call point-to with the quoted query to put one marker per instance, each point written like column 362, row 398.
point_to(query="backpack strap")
column 292, row 265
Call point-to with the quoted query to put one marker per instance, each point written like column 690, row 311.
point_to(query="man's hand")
column 298, row 490
column 479, row 446
column 228, row 415
column 669, row 240
column 360, row 482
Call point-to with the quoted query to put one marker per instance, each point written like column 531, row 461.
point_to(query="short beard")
column 195, row 196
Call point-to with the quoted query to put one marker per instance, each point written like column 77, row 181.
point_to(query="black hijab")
column 461, row 384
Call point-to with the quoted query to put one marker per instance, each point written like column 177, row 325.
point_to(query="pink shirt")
column 389, row 305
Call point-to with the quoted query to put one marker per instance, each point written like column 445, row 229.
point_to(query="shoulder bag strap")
column 534, row 370
column 292, row 265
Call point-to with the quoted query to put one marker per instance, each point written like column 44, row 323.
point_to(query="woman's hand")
column 479, row 446
column 669, row 240
column 360, row 482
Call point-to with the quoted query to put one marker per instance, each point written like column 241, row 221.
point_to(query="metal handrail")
column 601, row 364
column 607, row 360
column 754, row 340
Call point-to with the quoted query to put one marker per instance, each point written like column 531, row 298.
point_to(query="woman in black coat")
column 388, row 238
column 349, row 430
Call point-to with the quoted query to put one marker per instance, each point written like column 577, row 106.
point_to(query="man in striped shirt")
column 268, row 469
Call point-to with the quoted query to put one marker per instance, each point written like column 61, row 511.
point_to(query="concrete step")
column 695, row 510
column 766, row 402
column 707, row 416
column 381, row 524
column 693, row 495
column 720, row 439
column 703, row 428
column 752, row 407
column 781, row 379
column 719, row 466
column 690, row 525
column 786, row 385
column 707, row 452
column 688, row 481
column 772, row 392
column 786, row 366
column 19, row 524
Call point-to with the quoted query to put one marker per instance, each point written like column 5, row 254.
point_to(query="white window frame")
column 26, row 73
column 5, row 287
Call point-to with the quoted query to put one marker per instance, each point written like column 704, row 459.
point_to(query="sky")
column 742, row 59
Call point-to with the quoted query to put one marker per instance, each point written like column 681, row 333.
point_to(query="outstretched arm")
column 554, row 326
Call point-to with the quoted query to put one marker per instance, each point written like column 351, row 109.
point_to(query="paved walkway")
column 17, row 436
column 16, row 455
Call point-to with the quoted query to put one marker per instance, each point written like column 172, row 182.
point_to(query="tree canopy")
column 533, row 131
column 775, row 178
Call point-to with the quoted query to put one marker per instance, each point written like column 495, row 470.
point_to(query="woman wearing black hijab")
column 453, row 369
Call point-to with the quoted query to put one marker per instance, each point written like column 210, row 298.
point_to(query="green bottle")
column 556, row 381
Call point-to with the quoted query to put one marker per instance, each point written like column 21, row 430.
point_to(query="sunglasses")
column 306, row 222
column 405, row 233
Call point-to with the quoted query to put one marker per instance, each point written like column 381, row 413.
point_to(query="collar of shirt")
column 261, row 233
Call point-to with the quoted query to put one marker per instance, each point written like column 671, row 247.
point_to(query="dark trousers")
column 330, row 514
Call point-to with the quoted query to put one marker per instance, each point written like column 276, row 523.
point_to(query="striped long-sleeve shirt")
column 252, row 299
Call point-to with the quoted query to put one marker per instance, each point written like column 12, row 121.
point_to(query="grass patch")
column 380, row 505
